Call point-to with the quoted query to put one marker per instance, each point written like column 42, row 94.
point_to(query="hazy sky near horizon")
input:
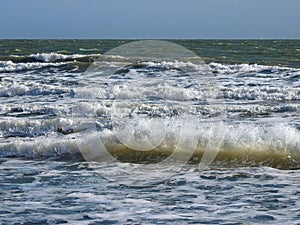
column 150, row 19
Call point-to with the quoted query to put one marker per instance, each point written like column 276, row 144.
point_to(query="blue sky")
column 150, row 19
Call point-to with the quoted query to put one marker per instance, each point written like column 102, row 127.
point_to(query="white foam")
column 48, row 57
column 39, row 147
column 25, row 127
column 52, row 56
column 259, row 137
column 89, row 49
column 9, row 66
column 262, row 93
column 263, row 109
column 16, row 89
column 246, row 68
column 177, row 64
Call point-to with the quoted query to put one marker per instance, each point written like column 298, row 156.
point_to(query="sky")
column 150, row 19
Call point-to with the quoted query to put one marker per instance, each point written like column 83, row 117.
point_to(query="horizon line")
column 149, row 38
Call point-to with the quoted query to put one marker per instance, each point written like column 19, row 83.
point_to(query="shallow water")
column 73, row 193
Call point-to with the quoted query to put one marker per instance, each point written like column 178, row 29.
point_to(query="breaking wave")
column 243, row 144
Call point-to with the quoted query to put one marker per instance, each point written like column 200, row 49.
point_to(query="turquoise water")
column 208, row 135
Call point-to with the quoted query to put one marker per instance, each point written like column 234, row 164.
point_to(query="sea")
column 149, row 132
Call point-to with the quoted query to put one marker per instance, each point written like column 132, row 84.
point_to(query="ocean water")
column 150, row 132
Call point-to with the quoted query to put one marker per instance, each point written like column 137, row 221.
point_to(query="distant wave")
column 74, row 62
column 47, row 57
column 10, row 66
column 7, row 63
column 54, row 57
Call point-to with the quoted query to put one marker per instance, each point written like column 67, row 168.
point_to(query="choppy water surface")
column 65, row 192
column 48, row 102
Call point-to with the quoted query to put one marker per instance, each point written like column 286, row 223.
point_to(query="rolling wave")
column 242, row 144
column 49, row 57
